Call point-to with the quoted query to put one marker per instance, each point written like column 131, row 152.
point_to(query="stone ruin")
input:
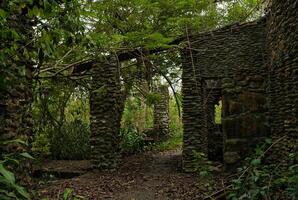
column 252, row 68
column 227, row 64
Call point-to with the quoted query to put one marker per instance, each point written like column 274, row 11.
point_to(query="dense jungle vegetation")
column 53, row 37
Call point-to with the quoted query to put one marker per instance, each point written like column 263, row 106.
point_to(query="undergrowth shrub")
column 201, row 163
column 71, row 141
column 41, row 144
column 260, row 180
column 131, row 141
column 173, row 142
column 202, row 167
column 10, row 165
column 175, row 124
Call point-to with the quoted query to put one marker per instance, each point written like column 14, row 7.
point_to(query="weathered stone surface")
column 161, row 113
column 229, row 63
column 258, row 67
column 105, row 111
column 16, row 83
column 282, row 39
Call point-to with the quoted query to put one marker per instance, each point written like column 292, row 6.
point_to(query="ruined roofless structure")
column 253, row 69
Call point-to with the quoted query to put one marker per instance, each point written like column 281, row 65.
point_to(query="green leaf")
column 10, row 161
column 268, row 140
column 4, row 194
column 26, row 155
column 17, row 141
column 255, row 162
column 9, row 176
column 204, row 173
column 22, row 191
column 4, row 197
column 66, row 194
column 2, row 13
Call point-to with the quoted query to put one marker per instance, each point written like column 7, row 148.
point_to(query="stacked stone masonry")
column 16, row 92
column 227, row 64
column 15, row 108
column 282, row 41
column 251, row 67
column 104, row 108
column 161, row 112
column 254, row 66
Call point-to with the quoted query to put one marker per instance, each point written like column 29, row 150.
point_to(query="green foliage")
column 152, row 98
column 291, row 181
column 286, row 181
column 249, row 184
column 176, row 127
column 137, row 116
column 265, row 181
column 61, row 115
column 218, row 110
column 201, row 164
column 153, row 24
column 71, row 141
column 174, row 142
column 69, row 194
column 66, row 194
column 131, row 141
column 9, row 164
column 41, row 144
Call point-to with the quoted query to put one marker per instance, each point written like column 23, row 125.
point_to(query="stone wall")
column 245, row 122
column 105, row 114
column 232, row 62
column 282, row 42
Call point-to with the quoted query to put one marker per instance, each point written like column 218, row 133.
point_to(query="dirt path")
column 140, row 177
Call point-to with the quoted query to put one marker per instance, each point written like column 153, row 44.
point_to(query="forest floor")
column 146, row 176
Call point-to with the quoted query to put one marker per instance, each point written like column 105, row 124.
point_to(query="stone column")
column 161, row 112
column 15, row 109
column 282, row 40
column 104, row 102
column 16, row 80
column 194, row 118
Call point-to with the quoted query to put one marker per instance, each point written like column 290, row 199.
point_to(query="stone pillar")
column 161, row 112
column 104, row 109
column 16, row 79
column 282, row 40
column 194, row 126
column 15, row 108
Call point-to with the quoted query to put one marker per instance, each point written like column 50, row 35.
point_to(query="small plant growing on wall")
column 203, row 167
